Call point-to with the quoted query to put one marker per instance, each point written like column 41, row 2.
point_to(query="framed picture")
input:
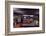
column 24, row 18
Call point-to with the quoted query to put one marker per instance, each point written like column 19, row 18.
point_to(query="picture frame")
column 9, row 15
